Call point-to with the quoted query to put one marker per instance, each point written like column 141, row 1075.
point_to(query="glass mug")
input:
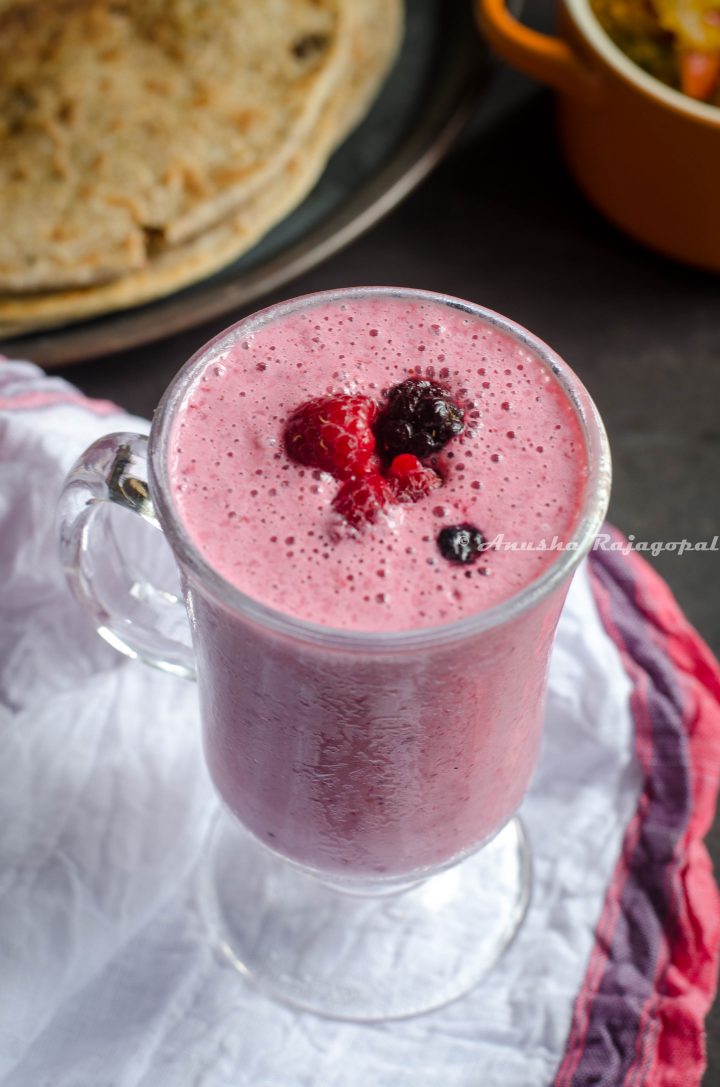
column 378, row 869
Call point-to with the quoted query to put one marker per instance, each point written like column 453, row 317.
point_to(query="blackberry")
column 420, row 417
column 461, row 543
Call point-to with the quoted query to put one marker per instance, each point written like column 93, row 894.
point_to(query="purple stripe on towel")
column 618, row 1021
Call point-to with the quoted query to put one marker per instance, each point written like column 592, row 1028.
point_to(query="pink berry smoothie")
column 348, row 750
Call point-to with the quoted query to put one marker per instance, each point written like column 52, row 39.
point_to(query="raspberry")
column 461, row 543
column 411, row 478
column 362, row 497
column 420, row 417
column 332, row 433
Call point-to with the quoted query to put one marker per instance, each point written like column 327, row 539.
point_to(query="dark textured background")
column 501, row 223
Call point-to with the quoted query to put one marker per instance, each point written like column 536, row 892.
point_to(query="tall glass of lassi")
column 376, row 499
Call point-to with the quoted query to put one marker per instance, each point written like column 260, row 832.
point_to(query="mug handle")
column 130, row 613
column 541, row 56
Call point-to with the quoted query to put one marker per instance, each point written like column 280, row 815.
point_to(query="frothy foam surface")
column 266, row 524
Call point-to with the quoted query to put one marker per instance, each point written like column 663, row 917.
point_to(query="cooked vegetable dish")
column 677, row 41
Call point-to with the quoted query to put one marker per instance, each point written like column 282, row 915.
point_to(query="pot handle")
column 540, row 56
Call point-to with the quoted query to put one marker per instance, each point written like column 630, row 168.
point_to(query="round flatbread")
column 125, row 121
column 375, row 29
column 376, row 33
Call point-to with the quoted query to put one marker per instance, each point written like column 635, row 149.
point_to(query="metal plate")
column 437, row 81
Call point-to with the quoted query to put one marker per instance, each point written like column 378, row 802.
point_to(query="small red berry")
column 332, row 433
column 362, row 497
column 412, row 480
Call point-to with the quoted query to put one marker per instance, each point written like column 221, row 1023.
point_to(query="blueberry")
column 461, row 543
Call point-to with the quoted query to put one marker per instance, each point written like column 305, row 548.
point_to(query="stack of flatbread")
column 145, row 144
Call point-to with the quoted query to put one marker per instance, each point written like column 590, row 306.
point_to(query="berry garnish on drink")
column 332, row 433
column 461, row 543
column 420, row 417
column 339, row 434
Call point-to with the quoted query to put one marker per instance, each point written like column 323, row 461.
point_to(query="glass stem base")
column 359, row 957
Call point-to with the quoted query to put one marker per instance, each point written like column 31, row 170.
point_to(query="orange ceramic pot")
column 646, row 155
